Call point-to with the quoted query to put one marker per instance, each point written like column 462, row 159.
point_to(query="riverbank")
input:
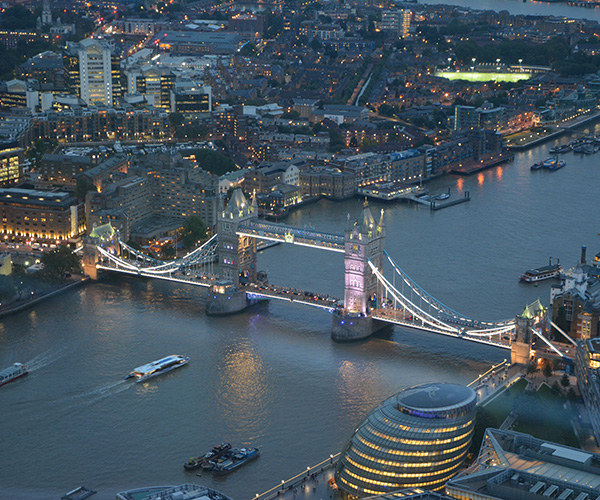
column 587, row 120
column 36, row 299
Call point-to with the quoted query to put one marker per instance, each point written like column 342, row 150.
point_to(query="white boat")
column 12, row 373
column 164, row 365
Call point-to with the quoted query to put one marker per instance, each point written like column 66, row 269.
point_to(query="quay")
column 435, row 205
column 313, row 483
column 473, row 168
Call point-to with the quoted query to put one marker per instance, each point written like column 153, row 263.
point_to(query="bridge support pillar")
column 349, row 328
column 224, row 299
column 89, row 259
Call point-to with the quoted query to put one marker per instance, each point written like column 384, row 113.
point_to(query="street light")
column 473, row 61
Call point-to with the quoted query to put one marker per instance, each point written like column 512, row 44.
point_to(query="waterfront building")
column 418, row 438
column 587, row 370
column 49, row 215
column 513, row 465
column 577, row 299
column 267, row 175
column 412, row 494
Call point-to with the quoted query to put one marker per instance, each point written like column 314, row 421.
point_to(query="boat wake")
column 46, row 358
column 95, row 395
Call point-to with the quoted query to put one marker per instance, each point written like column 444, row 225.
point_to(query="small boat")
column 559, row 164
column 164, row 365
column 237, row 458
column 12, row 373
column 78, row 494
column 550, row 162
column 542, row 273
column 443, row 196
column 536, row 166
column 215, row 453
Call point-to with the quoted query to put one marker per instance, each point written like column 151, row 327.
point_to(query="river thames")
column 271, row 377
column 526, row 8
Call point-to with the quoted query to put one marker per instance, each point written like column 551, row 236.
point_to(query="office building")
column 418, row 438
column 512, row 465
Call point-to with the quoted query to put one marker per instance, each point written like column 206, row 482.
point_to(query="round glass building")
column 417, row 438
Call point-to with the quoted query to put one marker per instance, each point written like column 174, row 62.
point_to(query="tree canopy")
column 214, row 162
column 194, row 230
column 60, row 261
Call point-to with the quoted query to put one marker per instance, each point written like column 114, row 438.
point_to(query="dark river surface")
column 271, row 377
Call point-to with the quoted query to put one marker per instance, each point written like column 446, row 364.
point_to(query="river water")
column 271, row 377
column 526, row 8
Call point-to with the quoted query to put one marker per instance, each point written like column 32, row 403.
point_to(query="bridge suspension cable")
column 444, row 312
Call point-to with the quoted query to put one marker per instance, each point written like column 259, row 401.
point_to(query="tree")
column 60, row 261
column 547, row 368
column 176, row 119
column 564, row 380
column 213, row 162
column 83, row 187
column 531, row 368
column 194, row 229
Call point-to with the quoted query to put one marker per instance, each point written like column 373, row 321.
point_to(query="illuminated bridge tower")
column 236, row 257
column 364, row 241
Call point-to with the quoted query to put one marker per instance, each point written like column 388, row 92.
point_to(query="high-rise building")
column 92, row 70
column 397, row 21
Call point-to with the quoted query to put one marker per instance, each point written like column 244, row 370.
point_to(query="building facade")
column 418, row 438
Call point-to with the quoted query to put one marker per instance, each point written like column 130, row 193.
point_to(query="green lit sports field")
column 475, row 76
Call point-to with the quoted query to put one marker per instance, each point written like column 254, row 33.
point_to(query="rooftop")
column 437, row 395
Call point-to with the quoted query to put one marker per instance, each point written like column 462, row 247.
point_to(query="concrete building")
column 512, row 465
column 12, row 162
column 396, row 21
column 93, row 71
column 587, row 370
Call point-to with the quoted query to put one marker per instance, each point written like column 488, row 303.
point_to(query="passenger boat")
column 542, row 273
column 164, row 365
column 214, row 454
column 237, row 458
column 12, row 373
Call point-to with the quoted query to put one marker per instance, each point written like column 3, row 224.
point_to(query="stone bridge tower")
column 364, row 241
column 236, row 257
column 104, row 236
column 236, row 254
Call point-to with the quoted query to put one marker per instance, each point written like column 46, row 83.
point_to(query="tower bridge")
column 227, row 266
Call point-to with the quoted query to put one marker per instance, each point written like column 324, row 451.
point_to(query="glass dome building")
column 415, row 439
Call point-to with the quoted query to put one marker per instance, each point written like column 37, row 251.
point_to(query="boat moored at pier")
column 234, row 459
column 164, row 365
column 12, row 373
column 214, row 454
column 542, row 273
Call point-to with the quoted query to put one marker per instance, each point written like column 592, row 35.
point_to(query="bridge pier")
column 225, row 299
column 349, row 328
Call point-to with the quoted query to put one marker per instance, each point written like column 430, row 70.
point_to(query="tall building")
column 418, row 438
column 92, row 70
column 153, row 83
column 396, row 21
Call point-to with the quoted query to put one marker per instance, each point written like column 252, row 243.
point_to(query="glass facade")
column 415, row 439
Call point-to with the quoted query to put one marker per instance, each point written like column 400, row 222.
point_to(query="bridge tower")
column 364, row 241
column 236, row 257
column 104, row 236
column 521, row 347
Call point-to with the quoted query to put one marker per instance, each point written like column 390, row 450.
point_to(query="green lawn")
column 502, row 405
column 543, row 416
column 477, row 76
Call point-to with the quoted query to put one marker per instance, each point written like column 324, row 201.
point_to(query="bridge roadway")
column 253, row 290
column 295, row 235
column 402, row 318
column 269, row 291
